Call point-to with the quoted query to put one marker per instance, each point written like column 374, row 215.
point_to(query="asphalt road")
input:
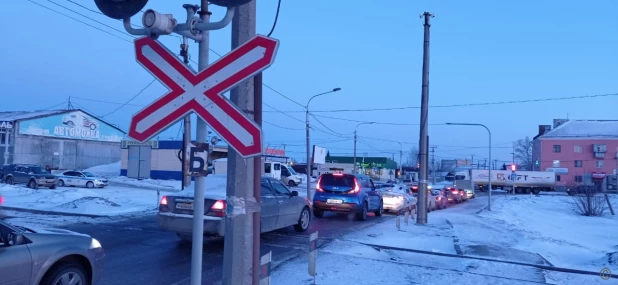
column 137, row 252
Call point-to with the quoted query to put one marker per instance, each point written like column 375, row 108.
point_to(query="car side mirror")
column 294, row 193
column 15, row 239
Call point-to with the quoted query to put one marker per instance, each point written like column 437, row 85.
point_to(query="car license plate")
column 184, row 206
column 334, row 201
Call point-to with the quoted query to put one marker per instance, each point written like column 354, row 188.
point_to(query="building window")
column 3, row 137
column 557, row 148
column 578, row 163
column 556, row 163
column 578, row 178
column 599, row 163
column 557, row 177
column 578, row 148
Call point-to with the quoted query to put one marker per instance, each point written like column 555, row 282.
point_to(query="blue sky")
column 481, row 52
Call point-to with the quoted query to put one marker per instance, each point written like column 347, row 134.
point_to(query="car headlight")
column 95, row 244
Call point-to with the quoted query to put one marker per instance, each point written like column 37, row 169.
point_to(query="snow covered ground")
column 520, row 229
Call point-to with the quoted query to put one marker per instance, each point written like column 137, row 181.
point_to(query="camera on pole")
column 120, row 9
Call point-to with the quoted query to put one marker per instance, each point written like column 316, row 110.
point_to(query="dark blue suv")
column 347, row 193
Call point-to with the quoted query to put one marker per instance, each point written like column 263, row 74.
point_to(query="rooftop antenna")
column 567, row 116
column 70, row 105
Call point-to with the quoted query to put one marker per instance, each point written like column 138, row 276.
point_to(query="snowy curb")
column 33, row 211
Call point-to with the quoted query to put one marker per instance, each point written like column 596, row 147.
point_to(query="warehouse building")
column 61, row 139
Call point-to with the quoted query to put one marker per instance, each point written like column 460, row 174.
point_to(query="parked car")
column 48, row 256
column 347, row 193
column 470, row 193
column 452, row 195
column 280, row 208
column 81, row 179
column 33, row 176
column 399, row 198
column 440, row 197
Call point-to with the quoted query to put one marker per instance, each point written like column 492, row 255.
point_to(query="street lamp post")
column 308, row 140
column 489, row 169
column 355, row 129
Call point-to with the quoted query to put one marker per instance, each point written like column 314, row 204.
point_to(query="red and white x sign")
column 202, row 93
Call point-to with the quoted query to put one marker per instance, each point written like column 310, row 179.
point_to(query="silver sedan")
column 280, row 208
column 48, row 257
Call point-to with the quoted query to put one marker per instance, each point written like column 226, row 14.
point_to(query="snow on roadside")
column 547, row 225
column 109, row 201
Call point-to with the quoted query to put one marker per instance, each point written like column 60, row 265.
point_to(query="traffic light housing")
column 120, row 9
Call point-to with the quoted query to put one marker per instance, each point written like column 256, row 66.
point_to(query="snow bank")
column 105, row 170
column 548, row 225
column 109, row 201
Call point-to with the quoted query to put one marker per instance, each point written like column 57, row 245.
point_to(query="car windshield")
column 88, row 174
column 292, row 171
column 337, row 180
column 38, row 170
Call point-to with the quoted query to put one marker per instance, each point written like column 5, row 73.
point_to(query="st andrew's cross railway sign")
column 202, row 93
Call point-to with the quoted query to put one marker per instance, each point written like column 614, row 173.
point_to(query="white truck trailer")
column 524, row 182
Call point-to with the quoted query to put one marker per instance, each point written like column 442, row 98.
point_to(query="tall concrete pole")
column 200, row 181
column 354, row 152
column 238, row 242
column 308, row 154
column 424, row 147
column 186, row 133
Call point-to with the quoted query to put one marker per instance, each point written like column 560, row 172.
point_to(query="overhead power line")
column 462, row 105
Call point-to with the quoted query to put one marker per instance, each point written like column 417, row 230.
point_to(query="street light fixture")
column 307, row 126
column 355, row 129
column 489, row 133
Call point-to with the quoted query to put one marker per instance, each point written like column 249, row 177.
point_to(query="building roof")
column 583, row 129
column 27, row 115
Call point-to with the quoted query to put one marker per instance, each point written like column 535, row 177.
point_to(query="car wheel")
column 9, row 180
column 291, row 183
column 90, row 184
column 318, row 213
column 61, row 183
column 93, row 127
column 363, row 213
column 32, row 184
column 65, row 273
column 70, row 124
column 303, row 220
column 380, row 210
column 53, row 187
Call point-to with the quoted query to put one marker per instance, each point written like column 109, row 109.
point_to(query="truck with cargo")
column 524, row 182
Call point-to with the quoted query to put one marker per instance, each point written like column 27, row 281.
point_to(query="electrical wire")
column 276, row 18
column 286, row 128
column 57, row 105
column 463, row 105
column 135, row 96
column 75, row 19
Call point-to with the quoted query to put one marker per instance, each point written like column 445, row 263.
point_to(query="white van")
column 289, row 176
column 283, row 172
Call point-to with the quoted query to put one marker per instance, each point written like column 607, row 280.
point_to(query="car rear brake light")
column 356, row 188
column 318, row 186
column 218, row 209
column 163, row 205
column 1, row 200
column 337, row 174
column 455, row 191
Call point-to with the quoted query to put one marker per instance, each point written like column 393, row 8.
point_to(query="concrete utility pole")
column 238, row 241
column 433, row 163
column 472, row 161
column 186, row 132
column 423, row 150
column 400, row 158
column 355, row 137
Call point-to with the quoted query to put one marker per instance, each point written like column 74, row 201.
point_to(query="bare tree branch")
column 523, row 153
